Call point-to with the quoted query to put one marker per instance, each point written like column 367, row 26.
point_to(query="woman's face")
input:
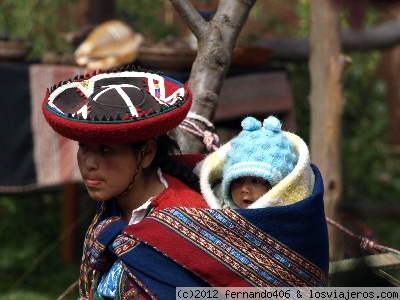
column 247, row 190
column 106, row 170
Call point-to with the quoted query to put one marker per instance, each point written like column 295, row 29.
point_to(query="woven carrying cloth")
column 270, row 246
column 116, row 107
column 194, row 247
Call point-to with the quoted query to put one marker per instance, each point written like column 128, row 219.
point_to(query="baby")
column 262, row 166
column 260, row 157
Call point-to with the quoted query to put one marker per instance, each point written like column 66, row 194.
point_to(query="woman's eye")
column 105, row 149
column 82, row 146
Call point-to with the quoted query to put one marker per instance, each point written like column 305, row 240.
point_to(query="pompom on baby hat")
column 260, row 150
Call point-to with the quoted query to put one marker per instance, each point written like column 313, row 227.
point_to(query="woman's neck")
column 142, row 190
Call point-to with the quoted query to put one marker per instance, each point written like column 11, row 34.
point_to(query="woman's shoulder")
column 178, row 194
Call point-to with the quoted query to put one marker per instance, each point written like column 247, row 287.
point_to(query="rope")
column 200, row 118
column 365, row 243
column 211, row 140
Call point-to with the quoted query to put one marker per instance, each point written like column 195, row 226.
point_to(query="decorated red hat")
column 116, row 107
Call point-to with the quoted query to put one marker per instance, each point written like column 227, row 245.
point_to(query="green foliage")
column 370, row 168
column 44, row 23
column 303, row 10
column 30, row 264
column 145, row 17
column 300, row 82
column 269, row 22
column 386, row 231
column 26, row 295
column 38, row 22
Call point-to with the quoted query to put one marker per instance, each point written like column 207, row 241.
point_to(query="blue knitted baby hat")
column 260, row 151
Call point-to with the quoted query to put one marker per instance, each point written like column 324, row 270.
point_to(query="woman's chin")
column 97, row 196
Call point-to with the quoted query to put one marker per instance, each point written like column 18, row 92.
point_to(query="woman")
column 152, row 231
column 127, row 161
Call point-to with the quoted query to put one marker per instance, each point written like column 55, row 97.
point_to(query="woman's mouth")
column 92, row 182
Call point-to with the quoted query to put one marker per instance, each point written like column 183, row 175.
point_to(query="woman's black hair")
column 167, row 158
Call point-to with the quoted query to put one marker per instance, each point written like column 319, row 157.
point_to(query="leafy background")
column 30, row 264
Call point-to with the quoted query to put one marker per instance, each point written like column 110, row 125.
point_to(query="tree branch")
column 232, row 15
column 379, row 37
column 191, row 16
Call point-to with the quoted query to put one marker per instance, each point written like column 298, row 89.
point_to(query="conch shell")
column 111, row 44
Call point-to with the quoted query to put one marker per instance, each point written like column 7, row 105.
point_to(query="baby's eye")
column 237, row 180
column 258, row 181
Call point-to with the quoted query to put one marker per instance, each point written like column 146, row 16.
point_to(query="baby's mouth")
column 247, row 202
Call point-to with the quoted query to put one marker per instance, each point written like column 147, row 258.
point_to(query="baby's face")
column 247, row 190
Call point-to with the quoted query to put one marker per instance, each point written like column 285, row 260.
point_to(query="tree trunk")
column 326, row 67
column 216, row 41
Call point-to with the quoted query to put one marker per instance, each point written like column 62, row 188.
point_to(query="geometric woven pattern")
column 240, row 246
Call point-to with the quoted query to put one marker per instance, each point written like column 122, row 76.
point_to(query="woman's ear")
column 148, row 152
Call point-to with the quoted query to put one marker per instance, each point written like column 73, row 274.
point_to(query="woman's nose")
column 91, row 161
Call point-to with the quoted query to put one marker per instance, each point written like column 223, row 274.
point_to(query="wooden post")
column 326, row 67
column 69, row 219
